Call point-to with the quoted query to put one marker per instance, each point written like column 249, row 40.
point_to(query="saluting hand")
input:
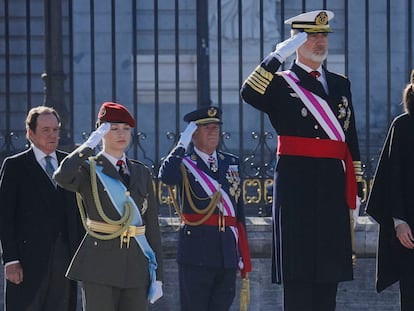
column 96, row 136
column 289, row 46
column 187, row 135
column 405, row 235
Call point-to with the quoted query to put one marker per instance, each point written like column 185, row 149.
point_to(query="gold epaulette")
column 259, row 79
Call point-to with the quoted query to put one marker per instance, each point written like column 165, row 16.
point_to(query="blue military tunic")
column 205, row 245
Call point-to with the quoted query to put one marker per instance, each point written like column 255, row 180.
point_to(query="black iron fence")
column 162, row 58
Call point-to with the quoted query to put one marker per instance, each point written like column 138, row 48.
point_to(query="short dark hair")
column 35, row 112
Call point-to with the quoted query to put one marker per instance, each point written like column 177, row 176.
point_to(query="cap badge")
column 212, row 112
column 102, row 112
column 321, row 18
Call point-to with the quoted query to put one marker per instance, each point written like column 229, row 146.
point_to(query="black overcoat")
column 32, row 214
column 311, row 218
column 392, row 196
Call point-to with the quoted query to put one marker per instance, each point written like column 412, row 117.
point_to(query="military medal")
column 344, row 112
column 213, row 166
column 232, row 176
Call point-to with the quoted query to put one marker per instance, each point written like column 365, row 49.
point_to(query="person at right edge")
column 315, row 182
column 391, row 204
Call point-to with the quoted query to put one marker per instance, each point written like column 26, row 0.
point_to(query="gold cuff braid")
column 358, row 170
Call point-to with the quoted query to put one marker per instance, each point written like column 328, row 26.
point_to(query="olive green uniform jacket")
column 104, row 261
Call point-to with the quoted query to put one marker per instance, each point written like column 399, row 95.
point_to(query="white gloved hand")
column 157, row 292
column 186, row 136
column 355, row 212
column 289, row 46
column 96, row 136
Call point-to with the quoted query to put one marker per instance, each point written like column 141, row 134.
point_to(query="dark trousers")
column 99, row 297
column 309, row 296
column 206, row 288
column 406, row 276
column 53, row 292
column 407, row 293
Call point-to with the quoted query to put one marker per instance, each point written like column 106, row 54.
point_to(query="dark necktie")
column 49, row 168
column 316, row 74
column 121, row 170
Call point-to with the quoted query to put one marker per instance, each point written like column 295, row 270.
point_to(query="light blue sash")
column 116, row 192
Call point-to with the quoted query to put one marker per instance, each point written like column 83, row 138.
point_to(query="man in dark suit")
column 212, row 240
column 119, row 261
column 318, row 161
column 39, row 224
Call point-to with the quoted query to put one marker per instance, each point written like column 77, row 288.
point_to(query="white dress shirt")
column 113, row 160
column 204, row 156
column 321, row 79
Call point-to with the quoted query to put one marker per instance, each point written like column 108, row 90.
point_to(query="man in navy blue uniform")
column 318, row 161
column 212, row 239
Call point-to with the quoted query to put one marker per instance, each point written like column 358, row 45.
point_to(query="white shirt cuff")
column 398, row 222
column 10, row 263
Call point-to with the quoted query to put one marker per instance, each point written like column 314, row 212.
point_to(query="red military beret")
column 115, row 113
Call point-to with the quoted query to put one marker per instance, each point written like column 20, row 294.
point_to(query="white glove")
column 96, row 136
column 186, row 136
column 157, row 292
column 289, row 46
column 355, row 212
